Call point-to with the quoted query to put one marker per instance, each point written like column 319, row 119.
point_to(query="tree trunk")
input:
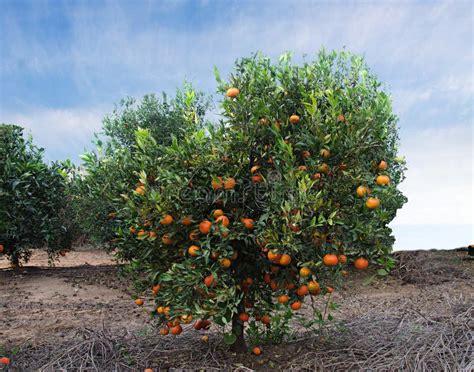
column 239, row 346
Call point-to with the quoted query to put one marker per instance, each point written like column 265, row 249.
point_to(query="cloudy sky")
column 63, row 65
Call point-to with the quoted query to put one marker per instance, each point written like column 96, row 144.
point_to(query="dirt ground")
column 80, row 315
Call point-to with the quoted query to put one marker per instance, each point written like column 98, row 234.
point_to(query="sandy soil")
column 84, row 291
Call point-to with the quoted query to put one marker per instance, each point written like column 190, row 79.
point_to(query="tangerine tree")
column 240, row 222
column 33, row 202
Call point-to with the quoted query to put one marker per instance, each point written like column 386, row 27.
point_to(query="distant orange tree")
column 239, row 222
column 33, row 202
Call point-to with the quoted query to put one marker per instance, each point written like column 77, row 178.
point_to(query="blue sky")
column 63, row 65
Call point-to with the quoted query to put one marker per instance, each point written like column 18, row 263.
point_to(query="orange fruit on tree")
column 217, row 183
column 302, row 291
column 244, row 317
column 152, row 234
column 205, row 227
column 272, row 256
column 132, row 229
column 372, row 203
column 256, row 350
column 267, row 278
column 305, row 272
column 323, row 168
column 257, row 178
column 232, row 92
column 302, row 168
column 294, row 119
column 186, row 221
column 330, row 260
column 382, row 180
column 176, row 330
column 285, row 260
column 167, row 240
column 209, row 281
column 223, row 220
column 140, row 190
column 306, row 154
column 342, row 258
column 266, row 319
column 229, row 183
column 296, row 305
column 330, row 289
column 254, row 168
column 194, row 235
column 382, row 165
column 361, row 263
column 142, row 233
column 5, row 361
column 325, row 153
column 273, row 285
column 341, row 118
column 164, row 331
column 139, row 301
column 193, row 250
column 283, row 299
column 362, row 191
column 167, row 220
column 2, row 249
column 217, row 213
column 155, row 289
column 225, row 263
column 313, row 287
column 248, row 223
column 290, row 286
column 160, row 310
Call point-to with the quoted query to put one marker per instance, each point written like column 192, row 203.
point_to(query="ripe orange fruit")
column 290, row 286
column 372, row 203
column 244, row 317
column 142, row 233
column 273, row 285
column 257, row 178
column 342, row 258
column 166, row 239
column 229, row 183
column 167, row 220
column 155, row 289
column 164, row 331
column 266, row 319
column 217, row 213
column 225, row 263
column 139, row 301
column 323, row 168
column 160, row 310
column 232, row 92
column 330, row 289
column 382, row 165
column 361, row 191
column 193, row 250
column 140, row 190
column 209, row 281
column 330, row 260
column 283, row 299
column 194, row 235
column 296, row 305
column 306, row 154
column 217, row 183
column 256, row 350
column 361, row 263
column 305, row 272
column 313, row 287
column 272, row 256
column 176, row 330
column 382, row 180
column 325, row 153
column 285, row 260
column 302, row 291
column 302, row 168
column 152, row 234
column 248, row 223
column 5, row 361
column 205, row 227
column 223, row 220
column 267, row 278
column 294, row 119
column 316, row 176
column 254, row 168
column 2, row 249
column 132, row 229
column 341, row 118
column 186, row 221
column 166, row 310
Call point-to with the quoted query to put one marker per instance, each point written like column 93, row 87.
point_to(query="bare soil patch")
column 80, row 315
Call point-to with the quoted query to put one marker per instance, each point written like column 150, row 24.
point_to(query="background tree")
column 238, row 223
column 33, row 203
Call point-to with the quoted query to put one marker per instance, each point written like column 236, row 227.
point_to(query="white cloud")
column 439, row 182
column 64, row 133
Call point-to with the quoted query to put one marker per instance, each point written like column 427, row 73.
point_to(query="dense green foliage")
column 33, row 203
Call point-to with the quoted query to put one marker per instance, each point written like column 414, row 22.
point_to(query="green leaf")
column 230, row 338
